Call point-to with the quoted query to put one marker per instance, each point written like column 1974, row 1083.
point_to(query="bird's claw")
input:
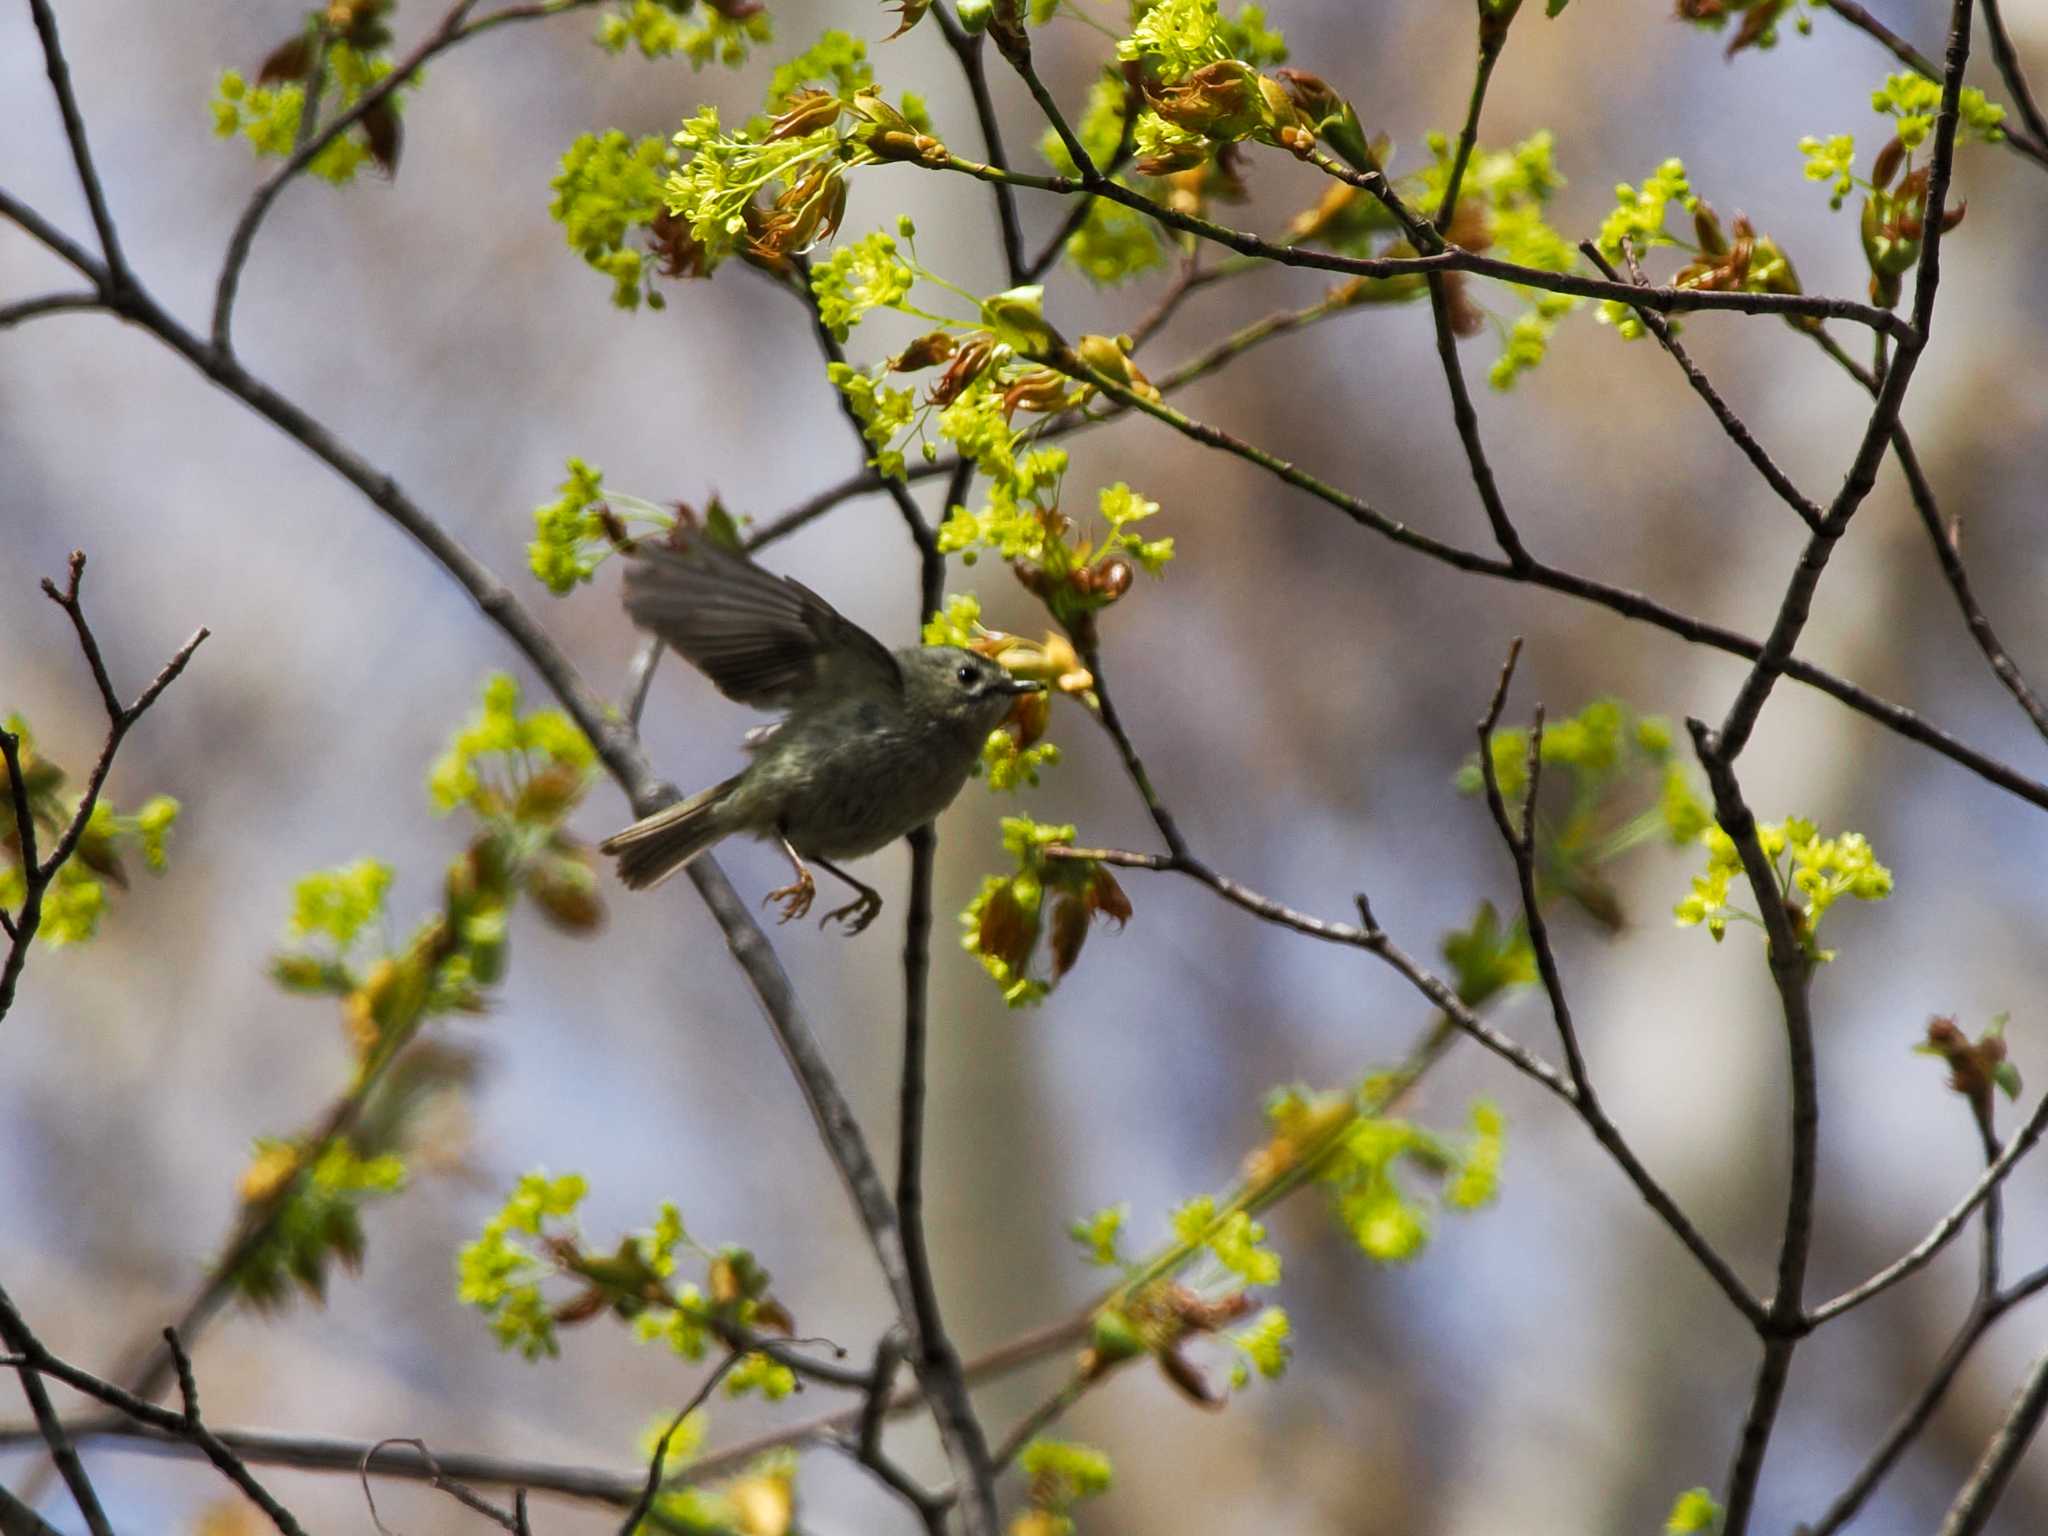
column 796, row 898
column 856, row 914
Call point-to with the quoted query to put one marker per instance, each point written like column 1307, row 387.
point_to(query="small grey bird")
column 871, row 745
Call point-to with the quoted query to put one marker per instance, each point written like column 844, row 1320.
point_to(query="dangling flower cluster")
column 1008, row 917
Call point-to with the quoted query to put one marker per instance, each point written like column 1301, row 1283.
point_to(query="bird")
column 872, row 744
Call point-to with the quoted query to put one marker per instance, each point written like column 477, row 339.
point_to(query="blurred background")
column 1304, row 691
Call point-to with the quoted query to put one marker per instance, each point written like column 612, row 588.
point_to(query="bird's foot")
column 856, row 914
column 796, row 897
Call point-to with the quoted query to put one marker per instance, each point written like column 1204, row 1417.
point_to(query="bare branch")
column 1792, row 973
column 655, row 1462
column 468, row 1497
column 2035, row 149
column 455, row 27
column 1794, row 609
column 1942, row 536
column 1944, row 1230
column 1620, row 600
column 1737, row 430
column 968, row 50
column 1666, row 300
column 81, row 152
column 37, row 875
column 1972, row 1509
column 49, row 304
column 2007, row 59
column 14, row 1333
column 1373, row 940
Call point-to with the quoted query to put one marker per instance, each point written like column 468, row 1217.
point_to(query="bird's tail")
column 656, row 846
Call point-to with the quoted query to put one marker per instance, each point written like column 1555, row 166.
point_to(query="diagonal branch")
column 81, row 153
column 1621, row 600
column 1971, row 1512
column 455, row 27
column 2007, row 58
column 968, row 51
column 1732, row 424
column 1943, row 535
column 1441, row 258
column 1891, row 395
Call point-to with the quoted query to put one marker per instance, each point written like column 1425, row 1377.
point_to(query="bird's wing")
column 763, row 639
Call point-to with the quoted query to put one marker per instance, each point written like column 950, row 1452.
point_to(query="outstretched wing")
column 764, row 640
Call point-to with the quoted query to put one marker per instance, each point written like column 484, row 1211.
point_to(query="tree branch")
column 1944, row 1231
column 1972, row 1509
column 1665, row 300
column 1791, row 972
column 1732, row 424
column 1620, row 600
column 37, row 875
column 454, row 28
column 1943, row 536
column 972, row 66
column 81, row 153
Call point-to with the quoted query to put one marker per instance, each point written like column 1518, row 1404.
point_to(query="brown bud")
column 966, row 366
column 1007, row 933
column 806, row 112
column 565, row 888
column 1107, row 897
column 1037, row 389
column 385, row 135
column 927, row 351
column 1193, row 1385
column 1203, row 1315
column 1886, row 166
column 291, row 60
column 1112, row 578
column 1069, row 932
column 678, row 252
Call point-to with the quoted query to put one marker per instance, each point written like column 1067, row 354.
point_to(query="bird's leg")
column 795, row 897
column 859, row 912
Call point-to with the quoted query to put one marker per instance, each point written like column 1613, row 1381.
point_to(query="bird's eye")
column 967, row 675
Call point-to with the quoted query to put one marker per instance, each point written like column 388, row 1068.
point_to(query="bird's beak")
column 1013, row 684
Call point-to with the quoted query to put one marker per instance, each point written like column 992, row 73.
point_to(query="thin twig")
column 1050, row 252
column 934, row 1357
column 81, row 153
column 1792, row 974
column 14, row 1333
column 1942, row 537
column 1492, row 39
column 1732, row 424
column 1972, row 1509
column 1796, row 606
column 454, row 28
column 511, row 1520
column 968, row 51
column 37, row 875
column 656, row 1462
column 1666, row 300
column 1944, row 1231
column 2007, row 59
column 48, row 304
column 1620, row 600
column 230, row 1465
column 640, row 678
column 2035, row 149
column 1988, row 1306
